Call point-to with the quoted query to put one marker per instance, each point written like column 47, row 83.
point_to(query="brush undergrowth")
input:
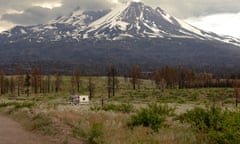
column 217, row 125
column 124, row 108
column 153, row 116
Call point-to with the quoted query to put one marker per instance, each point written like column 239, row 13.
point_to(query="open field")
column 144, row 115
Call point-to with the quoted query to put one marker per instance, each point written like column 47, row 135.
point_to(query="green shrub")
column 23, row 105
column 95, row 108
column 17, row 105
column 125, row 108
column 42, row 123
column 78, row 132
column 163, row 110
column 4, row 105
column 96, row 134
column 93, row 134
column 8, row 104
column 146, row 118
column 219, row 126
column 153, row 116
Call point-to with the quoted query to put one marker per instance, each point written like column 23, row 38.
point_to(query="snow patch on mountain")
column 132, row 20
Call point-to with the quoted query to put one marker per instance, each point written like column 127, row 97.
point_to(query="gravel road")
column 12, row 132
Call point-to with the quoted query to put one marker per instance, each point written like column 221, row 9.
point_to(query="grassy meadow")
column 146, row 115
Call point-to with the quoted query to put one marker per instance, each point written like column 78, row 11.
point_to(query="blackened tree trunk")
column 19, row 80
column 36, row 79
column 58, row 82
column 12, row 85
column 91, row 88
column 135, row 75
column 111, row 82
column 2, row 82
column 77, row 74
column 48, row 83
column 27, row 83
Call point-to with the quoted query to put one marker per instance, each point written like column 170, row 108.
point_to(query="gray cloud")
column 195, row 8
column 182, row 9
column 35, row 14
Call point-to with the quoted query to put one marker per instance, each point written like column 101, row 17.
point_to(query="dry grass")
column 78, row 124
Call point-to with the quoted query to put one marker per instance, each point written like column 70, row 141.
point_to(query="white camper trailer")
column 83, row 99
column 79, row 99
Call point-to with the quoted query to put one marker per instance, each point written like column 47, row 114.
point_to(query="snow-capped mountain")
column 134, row 20
column 138, row 20
column 127, row 34
column 62, row 28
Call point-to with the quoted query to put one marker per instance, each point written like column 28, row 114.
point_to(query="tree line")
column 164, row 78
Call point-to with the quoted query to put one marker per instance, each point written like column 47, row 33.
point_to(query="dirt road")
column 13, row 133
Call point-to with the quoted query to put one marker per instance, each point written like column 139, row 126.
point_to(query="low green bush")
column 219, row 126
column 2, row 105
column 6, row 104
column 162, row 110
column 43, row 123
column 95, row 135
column 95, row 108
column 146, row 118
column 23, row 105
column 153, row 116
column 125, row 108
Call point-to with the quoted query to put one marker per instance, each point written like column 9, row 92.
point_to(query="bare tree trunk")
column 91, row 88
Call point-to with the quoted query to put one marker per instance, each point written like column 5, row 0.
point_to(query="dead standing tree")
column 19, row 80
column 72, row 89
column 111, row 81
column 237, row 93
column 159, row 81
column 12, row 85
column 2, row 82
column 48, row 83
column 135, row 76
column 77, row 74
column 75, row 81
column 58, row 81
column 27, row 83
column 36, row 79
column 91, row 88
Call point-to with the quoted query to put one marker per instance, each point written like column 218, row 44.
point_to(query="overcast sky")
column 220, row 16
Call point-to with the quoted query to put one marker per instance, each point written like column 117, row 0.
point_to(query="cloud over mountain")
column 29, row 12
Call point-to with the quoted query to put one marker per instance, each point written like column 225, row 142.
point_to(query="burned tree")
column 236, row 86
column 160, row 81
column 135, row 76
column 75, row 81
column 91, row 88
column 77, row 74
column 48, row 83
column 27, row 83
column 36, row 79
column 19, row 80
column 12, row 85
column 58, row 81
column 111, row 81
column 2, row 87
column 72, row 88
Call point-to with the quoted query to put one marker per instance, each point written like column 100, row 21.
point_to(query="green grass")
column 149, row 111
column 214, row 124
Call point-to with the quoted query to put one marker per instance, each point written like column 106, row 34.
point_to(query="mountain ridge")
column 130, row 34
column 134, row 19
